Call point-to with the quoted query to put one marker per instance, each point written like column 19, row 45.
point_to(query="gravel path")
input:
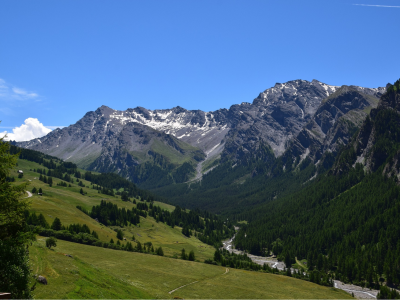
column 29, row 194
column 182, row 287
column 226, row 272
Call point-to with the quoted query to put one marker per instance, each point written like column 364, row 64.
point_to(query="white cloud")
column 30, row 130
column 24, row 93
column 10, row 92
column 376, row 5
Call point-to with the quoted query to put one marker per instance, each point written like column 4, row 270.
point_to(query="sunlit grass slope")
column 61, row 202
column 74, row 278
column 104, row 273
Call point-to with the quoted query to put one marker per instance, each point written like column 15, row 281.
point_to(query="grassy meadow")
column 105, row 273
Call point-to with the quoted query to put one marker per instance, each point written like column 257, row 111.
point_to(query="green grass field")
column 165, row 206
column 104, row 273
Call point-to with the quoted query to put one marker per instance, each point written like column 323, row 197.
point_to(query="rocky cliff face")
column 276, row 116
column 336, row 120
column 111, row 140
column 378, row 141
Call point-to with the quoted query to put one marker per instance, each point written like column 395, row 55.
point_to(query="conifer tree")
column 217, row 256
column 191, row 256
column 183, row 254
column 160, row 251
column 15, row 275
column 120, row 235
column 56, row 224
column 139, row 246
column 42, row 221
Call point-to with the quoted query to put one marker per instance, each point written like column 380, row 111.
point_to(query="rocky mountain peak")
column 274, row 118
column 105, row 110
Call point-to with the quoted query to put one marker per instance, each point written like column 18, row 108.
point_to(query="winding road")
column 29, row 194
column 272, row 262
column 359, row 292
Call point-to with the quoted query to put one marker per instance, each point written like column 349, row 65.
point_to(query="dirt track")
column 226, row 272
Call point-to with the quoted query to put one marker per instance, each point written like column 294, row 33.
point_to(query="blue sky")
column 60, row 59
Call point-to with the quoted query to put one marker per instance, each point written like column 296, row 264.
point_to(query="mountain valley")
column 308, row 173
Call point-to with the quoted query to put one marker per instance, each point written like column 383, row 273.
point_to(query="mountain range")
column 156, row 148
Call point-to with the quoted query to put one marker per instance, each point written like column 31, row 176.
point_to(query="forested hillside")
column 232, row 189
column 346, row 221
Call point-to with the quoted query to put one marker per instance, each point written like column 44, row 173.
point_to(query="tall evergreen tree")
column 15, row 275
column 191, row 256
column 120, row 235
column 183, row 254
column 56, row 224
column 160, row 251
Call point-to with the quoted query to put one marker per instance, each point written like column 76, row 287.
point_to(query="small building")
column 20, row 172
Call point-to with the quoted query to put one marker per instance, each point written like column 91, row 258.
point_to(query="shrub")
column 51, row 242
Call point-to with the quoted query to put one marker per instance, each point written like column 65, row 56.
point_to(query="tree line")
column 109, row 214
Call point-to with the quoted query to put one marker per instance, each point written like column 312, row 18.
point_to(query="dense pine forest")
column 348, row 226
column 346, row 222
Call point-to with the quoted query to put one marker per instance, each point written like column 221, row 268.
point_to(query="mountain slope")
column 333, row 124
column 345, row 222
column 240, row 182
column 378, row 141
column 103, row 143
